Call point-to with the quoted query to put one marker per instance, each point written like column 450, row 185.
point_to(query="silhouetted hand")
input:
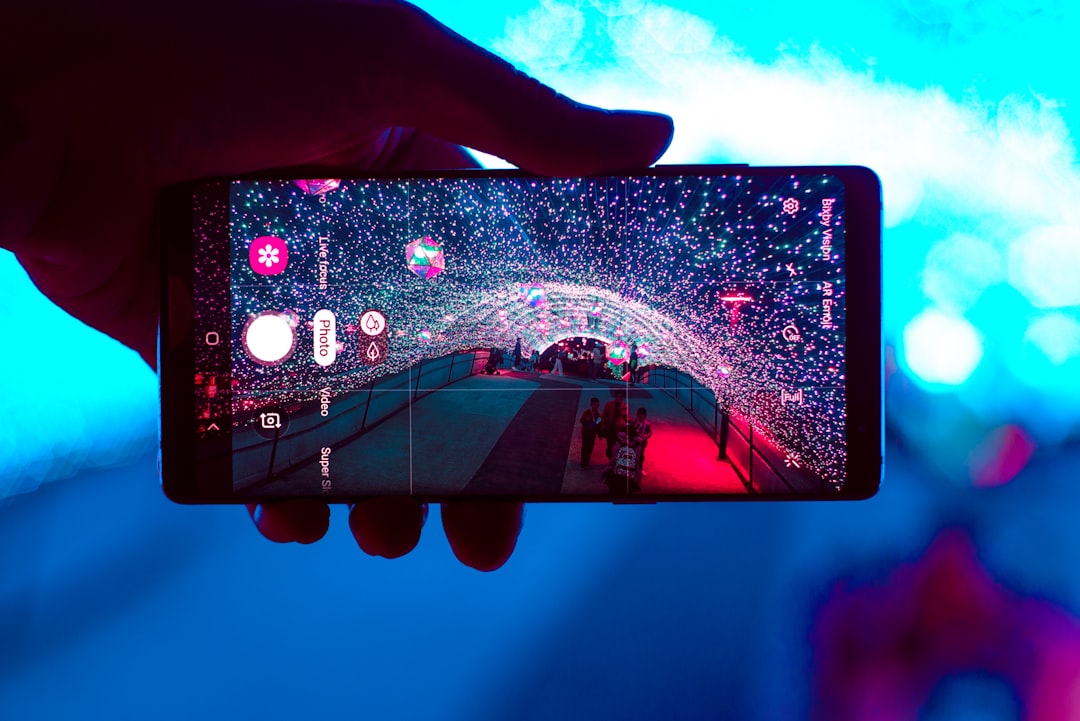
column 104, row 103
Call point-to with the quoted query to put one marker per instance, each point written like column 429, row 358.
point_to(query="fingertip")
column 300, row 521
column 589, row 140
column 648, row 135
column 469, row 96
column 586, row 140
column 387, row 526
column 483, row 534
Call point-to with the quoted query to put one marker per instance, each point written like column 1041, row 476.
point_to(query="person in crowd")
column 599, row 358
column 621, row 473
column 534, row 361
column 591, row 421
column 560, row 356
column 640, row 433
column 613, row 419
column 633, row 364
column 517, row 355
column 494, row 360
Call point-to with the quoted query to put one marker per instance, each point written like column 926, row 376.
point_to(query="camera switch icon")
column 271, row 423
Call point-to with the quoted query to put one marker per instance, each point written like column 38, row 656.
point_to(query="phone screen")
column 649, row 335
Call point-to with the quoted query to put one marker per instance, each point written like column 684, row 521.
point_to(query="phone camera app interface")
column 650, row 335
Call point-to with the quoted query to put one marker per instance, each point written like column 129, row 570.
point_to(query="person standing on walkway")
column 517, row 355
column 590, row 426
column 640, row 433
column 621, row 473
column 633, row 363
column 613, row 419
column 560, row 356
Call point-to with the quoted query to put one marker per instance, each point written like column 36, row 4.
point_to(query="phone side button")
column 633, row 502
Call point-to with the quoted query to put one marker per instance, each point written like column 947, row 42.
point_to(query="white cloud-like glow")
column 73, row 398
column 958, row 269
column 1012, row 160
column 1045, row 266
column 1057, row 336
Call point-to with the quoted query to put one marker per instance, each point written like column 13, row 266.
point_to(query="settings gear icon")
column 791, row 206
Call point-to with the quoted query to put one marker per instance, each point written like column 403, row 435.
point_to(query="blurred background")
column 953, row 594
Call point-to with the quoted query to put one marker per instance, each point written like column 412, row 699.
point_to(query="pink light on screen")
column 737, row 299
column 318, row 187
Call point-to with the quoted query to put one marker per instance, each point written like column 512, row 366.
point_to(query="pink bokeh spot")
column 1000, row 457
column 881, row 648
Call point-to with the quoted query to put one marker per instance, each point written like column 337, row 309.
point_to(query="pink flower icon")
column 268, row 255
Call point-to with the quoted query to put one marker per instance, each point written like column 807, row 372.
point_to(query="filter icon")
column 373, row 344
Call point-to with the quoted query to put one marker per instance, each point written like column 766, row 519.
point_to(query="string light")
column 654, row 261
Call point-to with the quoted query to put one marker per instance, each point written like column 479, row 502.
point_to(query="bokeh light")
column 941, row 349
column 1057, row 336
column 1044, row 265
column 958, row 269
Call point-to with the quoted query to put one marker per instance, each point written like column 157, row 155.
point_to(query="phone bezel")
column 864, row 369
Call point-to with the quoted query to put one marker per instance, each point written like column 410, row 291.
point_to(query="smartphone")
column 678, row 333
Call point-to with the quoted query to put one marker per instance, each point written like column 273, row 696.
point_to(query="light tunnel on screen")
column 714, row 305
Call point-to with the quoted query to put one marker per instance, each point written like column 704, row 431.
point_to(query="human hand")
column 114, row 100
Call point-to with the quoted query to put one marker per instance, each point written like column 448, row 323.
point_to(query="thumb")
column 469, row 96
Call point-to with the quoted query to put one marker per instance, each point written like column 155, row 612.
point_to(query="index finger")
column 470, row 96
column 349, row 70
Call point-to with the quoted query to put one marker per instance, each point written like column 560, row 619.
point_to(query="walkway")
column 518, row 434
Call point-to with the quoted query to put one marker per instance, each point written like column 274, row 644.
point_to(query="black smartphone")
column 678, row 333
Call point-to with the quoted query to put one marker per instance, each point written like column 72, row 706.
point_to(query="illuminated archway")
column 544, row 314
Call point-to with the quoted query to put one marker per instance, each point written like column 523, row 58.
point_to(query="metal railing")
column 352, row 414
column 758, row 466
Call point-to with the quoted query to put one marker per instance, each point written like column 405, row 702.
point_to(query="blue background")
column 115, row 603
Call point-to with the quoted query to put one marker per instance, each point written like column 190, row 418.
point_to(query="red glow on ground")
column 684, row 460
